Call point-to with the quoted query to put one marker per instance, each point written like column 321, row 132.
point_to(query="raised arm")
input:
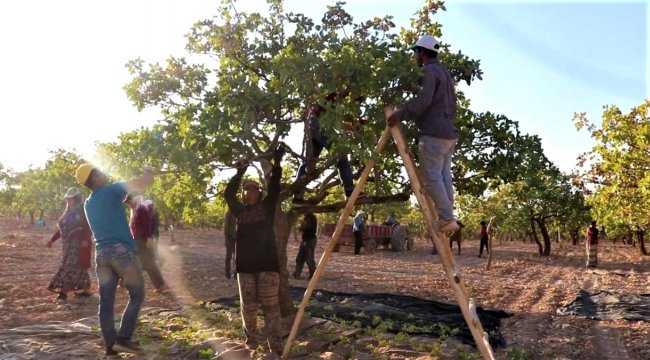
column 276, row 176
column 141, row 182
column 230, row 194
column 414, row 108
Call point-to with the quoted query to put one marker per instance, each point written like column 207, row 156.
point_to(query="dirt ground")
column 520, row 282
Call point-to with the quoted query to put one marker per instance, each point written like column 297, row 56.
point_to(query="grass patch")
column 516, row 354
column 206, row 353
column 192, row 329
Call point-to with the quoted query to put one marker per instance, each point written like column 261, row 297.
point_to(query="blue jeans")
column 113, row 263
column 435, row 164
column 318, row 143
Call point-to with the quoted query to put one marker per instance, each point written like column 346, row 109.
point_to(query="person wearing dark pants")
column 485, row 237
column 357, row 230
column 140, row 225
column 307, row 249
column 115, row 256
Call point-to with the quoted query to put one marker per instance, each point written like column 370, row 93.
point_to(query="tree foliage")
column 270, row 68
column 39, row 192
column 617, row 169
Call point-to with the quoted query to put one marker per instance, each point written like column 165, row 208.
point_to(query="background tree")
column 8, row 189
column 39, row 191
column 617, row 169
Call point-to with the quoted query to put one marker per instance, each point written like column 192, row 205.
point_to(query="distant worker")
column 591, row 244
column 140, row 225
column 391, row 220
column 357, row 229
column 308, row 227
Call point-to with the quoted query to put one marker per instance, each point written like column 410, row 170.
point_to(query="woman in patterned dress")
column 76, row 240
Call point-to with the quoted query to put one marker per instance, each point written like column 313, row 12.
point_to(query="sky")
column 62, row 64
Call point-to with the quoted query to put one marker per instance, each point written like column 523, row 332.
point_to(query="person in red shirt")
column 140, row 224
column 485, row 237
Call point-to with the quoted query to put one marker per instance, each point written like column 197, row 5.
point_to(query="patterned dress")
column 76, row 241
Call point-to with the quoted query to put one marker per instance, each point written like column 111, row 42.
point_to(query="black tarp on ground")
column 407, row 314
column 609, row 305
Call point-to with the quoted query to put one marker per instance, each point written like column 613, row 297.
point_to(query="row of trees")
column 38, row 192
column 267, row 69
column 272, row 67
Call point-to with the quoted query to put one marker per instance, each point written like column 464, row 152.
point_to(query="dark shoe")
column 126, row 346
column 62, row 297
column 111, row 353
column 296, row 276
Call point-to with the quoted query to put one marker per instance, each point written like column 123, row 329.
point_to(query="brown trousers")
column 261, row 288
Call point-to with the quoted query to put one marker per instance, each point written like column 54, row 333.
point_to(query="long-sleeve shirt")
column 434, row 107
column 255, row 241
column 140, row 223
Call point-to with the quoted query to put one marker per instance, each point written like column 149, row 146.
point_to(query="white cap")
column 427, row 42
column 72, row 192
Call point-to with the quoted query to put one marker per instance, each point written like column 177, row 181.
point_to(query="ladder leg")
column 343, row 219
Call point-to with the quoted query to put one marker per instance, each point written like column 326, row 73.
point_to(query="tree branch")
column 335, row 207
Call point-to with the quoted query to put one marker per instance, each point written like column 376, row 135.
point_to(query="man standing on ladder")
column 433, row 110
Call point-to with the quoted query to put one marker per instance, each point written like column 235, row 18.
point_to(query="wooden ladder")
column 452, row 269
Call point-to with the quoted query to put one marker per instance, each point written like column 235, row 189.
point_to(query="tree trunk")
column 533, row 233
column 31, row 217
column 575, row 234
column 639, row 237
column 282, row 228
column 630, row 237
column 547, row 239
